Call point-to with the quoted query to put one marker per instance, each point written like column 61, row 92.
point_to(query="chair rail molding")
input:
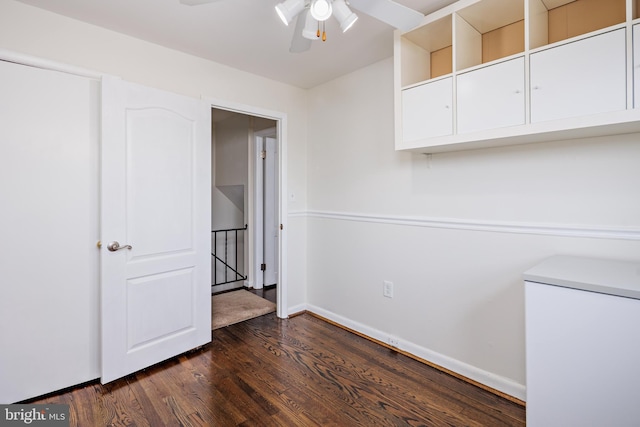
column 544, row 229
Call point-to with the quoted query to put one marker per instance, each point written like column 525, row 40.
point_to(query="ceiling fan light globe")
column 348, row 23
column 288, row 9
column 321, row 9
column 344, row 15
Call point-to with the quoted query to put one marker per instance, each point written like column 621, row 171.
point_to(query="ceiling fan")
column 312, row 14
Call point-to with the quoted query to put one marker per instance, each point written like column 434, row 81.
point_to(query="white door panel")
column 171, row 294
column 155, row 197
column 155, row 164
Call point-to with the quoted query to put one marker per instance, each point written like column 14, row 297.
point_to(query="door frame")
column 281, row 135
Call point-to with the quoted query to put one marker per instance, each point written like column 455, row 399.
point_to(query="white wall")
column 29, row 30
column 232, row 151
column 454, row 232
column 230, row 172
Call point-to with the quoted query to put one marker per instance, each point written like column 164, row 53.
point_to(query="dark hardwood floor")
column 267, row 292
column 297, row 372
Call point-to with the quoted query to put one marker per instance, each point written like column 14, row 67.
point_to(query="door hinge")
column 263, row 154
column 263, row 267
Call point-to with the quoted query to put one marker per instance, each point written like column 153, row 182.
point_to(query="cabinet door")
column 636, row 66
column 582, row 357
column 426, row 110
column 491, row 97
column 580, row 78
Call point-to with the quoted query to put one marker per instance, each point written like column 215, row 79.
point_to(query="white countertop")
column 620, row 278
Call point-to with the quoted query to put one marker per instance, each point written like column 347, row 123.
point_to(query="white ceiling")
column 244, row 34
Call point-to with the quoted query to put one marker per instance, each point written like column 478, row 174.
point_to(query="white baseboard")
column 496, row 382
column 297, row 309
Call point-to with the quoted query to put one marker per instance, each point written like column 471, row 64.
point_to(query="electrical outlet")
column 387, row 289
column 393, row 342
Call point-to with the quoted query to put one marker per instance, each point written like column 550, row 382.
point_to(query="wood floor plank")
column 315, row 382
column 444, row 385
column 352, row 377
column 301, row 371
column 353, row 389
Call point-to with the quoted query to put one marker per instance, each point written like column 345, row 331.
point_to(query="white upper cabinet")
column 580, row 78
column 427, row 110
column 491, row 97
column 521, row 71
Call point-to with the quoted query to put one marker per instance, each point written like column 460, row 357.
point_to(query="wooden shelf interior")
column 426, row 52
column 556, row 20
column 489, row 30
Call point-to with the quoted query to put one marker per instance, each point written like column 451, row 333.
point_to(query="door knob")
column 115, row 246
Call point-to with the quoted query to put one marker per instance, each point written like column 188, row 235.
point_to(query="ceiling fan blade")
column 390, row 12
column 196, row 2
column 298, row 42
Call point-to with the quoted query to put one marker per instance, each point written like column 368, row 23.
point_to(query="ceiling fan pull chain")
column 318, row 33
column 324, row 33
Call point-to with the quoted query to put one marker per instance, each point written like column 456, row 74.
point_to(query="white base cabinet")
column 582, row 347
column 580, row 78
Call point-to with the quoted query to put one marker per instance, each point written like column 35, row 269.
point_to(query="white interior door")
column 266, row 226
column 270, row 228
column 156, row 176
column 49, row 227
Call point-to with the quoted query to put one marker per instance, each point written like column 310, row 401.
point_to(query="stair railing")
column 223, row 259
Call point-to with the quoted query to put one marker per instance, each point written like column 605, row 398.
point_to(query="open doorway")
column 246, row 207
